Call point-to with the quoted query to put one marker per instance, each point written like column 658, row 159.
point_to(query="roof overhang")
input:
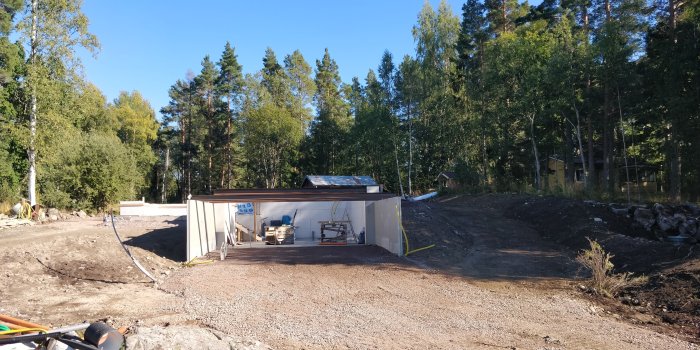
column 292, row 195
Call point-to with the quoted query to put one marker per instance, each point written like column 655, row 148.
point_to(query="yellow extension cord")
column 25, row 211
column 195, row 262
column 405, row 237
column 22, row 330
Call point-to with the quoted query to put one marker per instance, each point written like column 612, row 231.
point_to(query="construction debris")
column 14, row 222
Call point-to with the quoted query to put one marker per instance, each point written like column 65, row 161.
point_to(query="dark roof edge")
column 293, row 197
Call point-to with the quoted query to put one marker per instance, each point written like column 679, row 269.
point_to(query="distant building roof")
column 328, row 181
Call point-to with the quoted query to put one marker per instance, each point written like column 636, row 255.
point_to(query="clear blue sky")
column 148, row 45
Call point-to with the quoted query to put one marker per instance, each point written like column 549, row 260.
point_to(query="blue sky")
column 148, row 45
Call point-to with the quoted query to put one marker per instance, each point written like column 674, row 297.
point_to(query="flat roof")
column 338, row 181
column 292, row 195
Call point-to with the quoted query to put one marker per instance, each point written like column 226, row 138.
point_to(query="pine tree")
column 229, row 84
column 328, row 140
column 302, row 87
column 274, row 78
column 206, row 87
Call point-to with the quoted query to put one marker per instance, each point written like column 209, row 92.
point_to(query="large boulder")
column 41, row 215
column 660, row 209
column 689, row 227
column 620, row 210
column 645, row 217
column 666, row 223
column 53, row 212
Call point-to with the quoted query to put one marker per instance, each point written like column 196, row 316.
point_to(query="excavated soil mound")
column 673, row 290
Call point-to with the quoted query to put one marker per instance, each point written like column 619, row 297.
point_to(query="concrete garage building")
column 364, row 210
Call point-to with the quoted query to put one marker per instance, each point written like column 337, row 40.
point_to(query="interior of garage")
column 300, row 217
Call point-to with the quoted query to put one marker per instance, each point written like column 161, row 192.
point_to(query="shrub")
column 9, row 179
column 102, row 172
column 603, row 280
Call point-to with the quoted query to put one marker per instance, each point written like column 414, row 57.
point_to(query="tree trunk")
column 410, row 148
column 535, row 153
column 189, row 146
column 674, row 189
column 31, row 152
column 607, row 142
column 568, row 129
column 591, row 177
column 505, row 16
column 164, row 195
column 398, row 169
column 580, row 147
column 228, row 145
column 210, row 148
column 183, row 161
column 624, row 148
column 673, row 148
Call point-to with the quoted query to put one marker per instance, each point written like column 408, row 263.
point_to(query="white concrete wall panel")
column 148, row 209
column 387, row 227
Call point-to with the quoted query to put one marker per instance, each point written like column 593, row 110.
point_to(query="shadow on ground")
column 315, row 255
column 169, row 242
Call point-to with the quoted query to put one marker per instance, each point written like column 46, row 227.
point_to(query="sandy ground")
column 66, row 272
column 489, row 283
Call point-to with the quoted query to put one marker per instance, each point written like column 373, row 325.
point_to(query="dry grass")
column 603, row 280
column 5, row 208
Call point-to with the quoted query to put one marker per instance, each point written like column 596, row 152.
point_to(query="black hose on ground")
column 133, row 259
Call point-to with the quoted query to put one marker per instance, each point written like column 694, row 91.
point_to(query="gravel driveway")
column 363, row 297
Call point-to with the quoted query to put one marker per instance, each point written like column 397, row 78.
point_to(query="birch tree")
column 51, row 30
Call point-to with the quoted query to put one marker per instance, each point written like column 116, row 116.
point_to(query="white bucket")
column 17, row 208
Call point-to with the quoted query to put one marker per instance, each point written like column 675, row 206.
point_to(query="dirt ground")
column 69, row 271
column 668, row 302
column 497, row 278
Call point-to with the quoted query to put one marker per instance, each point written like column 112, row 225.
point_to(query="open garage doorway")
column 306, row 217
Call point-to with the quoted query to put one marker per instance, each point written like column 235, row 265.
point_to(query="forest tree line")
column 491, row 94
column 62, row 144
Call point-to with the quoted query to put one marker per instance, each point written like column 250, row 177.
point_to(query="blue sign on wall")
column 245, row 208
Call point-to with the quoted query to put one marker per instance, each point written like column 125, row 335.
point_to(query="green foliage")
column 327, row 148
column 137, row 128
column 492, row 97
column 468, row 177
column 9, row 179
column 96, row 172
column 272, row 138
column 302, row 87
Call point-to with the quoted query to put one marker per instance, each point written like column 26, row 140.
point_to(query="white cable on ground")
column 136, row 262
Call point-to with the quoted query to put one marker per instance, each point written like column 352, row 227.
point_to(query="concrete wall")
column 387, row 229
column 308, row 215
column 139, row 208
column 207, row 226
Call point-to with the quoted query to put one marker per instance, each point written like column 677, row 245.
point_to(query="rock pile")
column 667, row 220
column 53, row 214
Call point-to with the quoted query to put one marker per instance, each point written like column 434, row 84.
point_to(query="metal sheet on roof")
column 340, row 181
column 244, row 196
